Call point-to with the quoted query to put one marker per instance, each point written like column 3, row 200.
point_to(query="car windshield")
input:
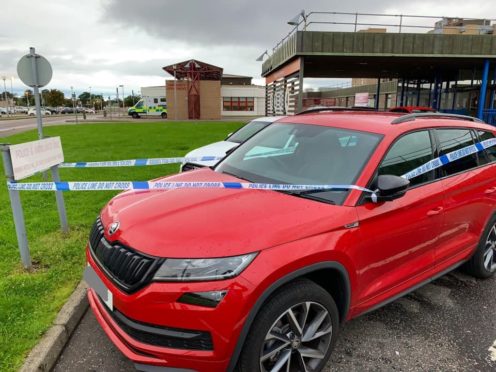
column 303, row 154
column 247, row 131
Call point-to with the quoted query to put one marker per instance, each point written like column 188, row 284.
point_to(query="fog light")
column 207, row 299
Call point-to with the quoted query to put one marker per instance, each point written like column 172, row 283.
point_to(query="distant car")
column 32, row 112
column 66, row 110
column 52, row 110
column 412, row 109
column 3, row 111
column 219, row 149
column 21, row 110
column 89, row 111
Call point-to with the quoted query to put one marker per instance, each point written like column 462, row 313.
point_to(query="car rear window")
column 491, row 151
column 455, row 139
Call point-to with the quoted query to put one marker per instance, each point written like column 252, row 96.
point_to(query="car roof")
column 380, row 122
column 269, row 119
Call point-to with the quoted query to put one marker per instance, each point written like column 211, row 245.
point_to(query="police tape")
column 449, row 158
column 163, row 185
column 138, row 162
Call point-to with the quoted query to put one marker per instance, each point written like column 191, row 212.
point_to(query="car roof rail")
column 334, row 108
column 433, row 115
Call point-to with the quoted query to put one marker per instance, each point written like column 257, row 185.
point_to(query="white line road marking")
column 492, row 352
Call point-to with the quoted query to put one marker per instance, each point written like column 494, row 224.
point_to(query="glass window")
column 409, row 152
column 155, row 100
column 455, row 139
column 303, row 154
column 491, row 151
column 247, row 131
column 238, row 103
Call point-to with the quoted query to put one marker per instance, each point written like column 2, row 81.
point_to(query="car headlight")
column 203, row 269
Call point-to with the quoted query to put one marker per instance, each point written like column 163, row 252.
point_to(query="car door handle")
column 435, row 211
column 490, row 191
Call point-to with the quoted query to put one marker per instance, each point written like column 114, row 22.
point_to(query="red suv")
column 262, row 280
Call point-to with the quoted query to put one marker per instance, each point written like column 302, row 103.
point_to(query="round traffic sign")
column 27, row 74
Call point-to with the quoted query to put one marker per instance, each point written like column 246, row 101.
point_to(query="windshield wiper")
column 235, row 175
column 307, row 194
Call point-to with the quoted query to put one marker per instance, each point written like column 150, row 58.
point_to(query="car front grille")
column 190, row 166
column 128, row 269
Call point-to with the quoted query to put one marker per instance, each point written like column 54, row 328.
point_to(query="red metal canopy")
column 202, row 70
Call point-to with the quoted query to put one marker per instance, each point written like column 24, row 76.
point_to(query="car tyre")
column 483, row 263
column 163, row 115
column 135, row 115
column 298, row 325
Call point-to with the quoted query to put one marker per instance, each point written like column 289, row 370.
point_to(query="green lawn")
column 30, row 301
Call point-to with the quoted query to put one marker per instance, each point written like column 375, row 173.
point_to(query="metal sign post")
column 22, row 161
column 15, row 202
column 35, row 71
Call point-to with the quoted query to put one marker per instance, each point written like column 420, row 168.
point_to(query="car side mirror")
column 391, row 187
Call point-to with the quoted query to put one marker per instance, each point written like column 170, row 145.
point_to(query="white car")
column 219, row 149
column 32, row 112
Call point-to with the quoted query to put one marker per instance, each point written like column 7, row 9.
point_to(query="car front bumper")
column 155, row 307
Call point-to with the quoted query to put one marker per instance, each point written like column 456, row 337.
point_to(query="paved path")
column 14, row 126
column 449, row 325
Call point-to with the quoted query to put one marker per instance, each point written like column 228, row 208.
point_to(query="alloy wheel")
column 489, row 256
column 298, row 340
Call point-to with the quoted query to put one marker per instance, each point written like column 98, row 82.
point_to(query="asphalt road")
column 14, row 126
column 449, row 325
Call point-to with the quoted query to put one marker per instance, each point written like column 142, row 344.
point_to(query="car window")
column 491, row 151
column 409, row 152
column 303, row 154
column 247, row 131
column 455, row 139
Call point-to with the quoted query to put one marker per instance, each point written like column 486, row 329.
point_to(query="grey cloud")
column 221, row 22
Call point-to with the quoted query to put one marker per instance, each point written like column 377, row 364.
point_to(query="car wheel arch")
column 313, row 272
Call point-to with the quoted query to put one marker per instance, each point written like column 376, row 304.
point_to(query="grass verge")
column 29, row 301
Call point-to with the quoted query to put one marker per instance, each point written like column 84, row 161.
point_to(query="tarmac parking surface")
column 448, row 325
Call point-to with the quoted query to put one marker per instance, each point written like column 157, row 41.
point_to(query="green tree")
column 28, row 98
column 53, row 97
column 131, row 100
column 85, row 98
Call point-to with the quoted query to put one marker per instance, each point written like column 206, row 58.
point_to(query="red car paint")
column 385, row 248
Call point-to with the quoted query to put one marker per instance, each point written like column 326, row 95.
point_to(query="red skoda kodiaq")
column 262, row 280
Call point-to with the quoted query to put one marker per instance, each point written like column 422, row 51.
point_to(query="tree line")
column 56, row 98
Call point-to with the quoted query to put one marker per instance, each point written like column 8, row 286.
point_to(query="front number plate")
column 95, row 283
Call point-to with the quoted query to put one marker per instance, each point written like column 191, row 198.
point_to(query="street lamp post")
column 123, row 99
column 90, row 98
column 5, row 95
column 73, row 96
column 12, row 92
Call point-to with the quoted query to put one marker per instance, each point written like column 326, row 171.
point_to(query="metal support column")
column 60, row 201
column 299, row 103
column 377, row 94
column 418, row 93
column 435, row 94
column 483, row 90
column 402, row 100
column 455, row 89
column 493, row 91
column 15, row 202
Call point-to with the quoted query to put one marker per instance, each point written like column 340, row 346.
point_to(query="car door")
column 399, row 237
column 470, row 186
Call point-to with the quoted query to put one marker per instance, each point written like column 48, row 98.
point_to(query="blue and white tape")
column 163, row 185
column 449, row 158
column 138, row 162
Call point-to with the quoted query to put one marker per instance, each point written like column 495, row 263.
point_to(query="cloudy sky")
column 106, row 43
